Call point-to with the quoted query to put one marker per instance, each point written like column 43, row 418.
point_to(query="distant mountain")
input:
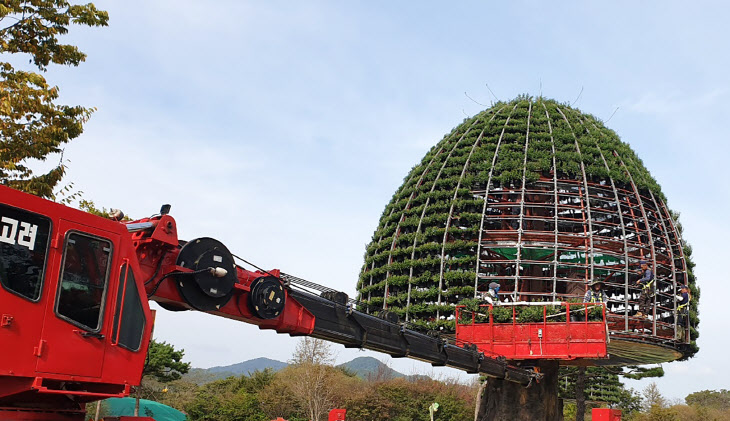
column 367, row 368
column 370, row 368
column 248, row 367
column 202, row 376
column 207, row 375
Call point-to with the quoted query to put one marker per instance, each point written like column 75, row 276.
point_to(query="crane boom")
column 75, row 321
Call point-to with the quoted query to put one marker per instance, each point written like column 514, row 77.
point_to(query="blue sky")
column 282, row 128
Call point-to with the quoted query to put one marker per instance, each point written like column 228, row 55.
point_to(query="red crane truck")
column 75, row 320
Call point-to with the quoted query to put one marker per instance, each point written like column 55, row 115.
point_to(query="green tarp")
column 563, row 255
column 118, row 407
column 527, row 253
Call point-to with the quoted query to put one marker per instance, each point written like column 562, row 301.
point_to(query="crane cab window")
column 128, row 332
column 84, row 277
column 23, row 251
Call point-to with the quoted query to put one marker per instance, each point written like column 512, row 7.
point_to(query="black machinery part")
column 202, row 289
column 172, row 307
column 267, row 297
column 342, row 324
column 336, row 296
column 389, row 316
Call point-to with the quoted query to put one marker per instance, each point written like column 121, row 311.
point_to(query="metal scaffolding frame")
column 542, row 238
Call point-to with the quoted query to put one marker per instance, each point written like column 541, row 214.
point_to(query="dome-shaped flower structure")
column 542, row 199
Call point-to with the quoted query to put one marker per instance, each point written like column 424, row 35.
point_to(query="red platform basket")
column 561, row 339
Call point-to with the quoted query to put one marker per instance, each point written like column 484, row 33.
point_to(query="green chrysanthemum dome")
column 540, row 198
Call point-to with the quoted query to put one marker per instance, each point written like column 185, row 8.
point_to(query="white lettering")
column 9, row 231
column 26, row 236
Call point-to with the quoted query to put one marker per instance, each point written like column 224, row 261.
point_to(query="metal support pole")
column 555, row 199
column 588, row 199
column 671, row 259
column 520, row 226
column 451, row 208
column 651, row 239
column 486, row 200
column 410, row 270
column 623, row 237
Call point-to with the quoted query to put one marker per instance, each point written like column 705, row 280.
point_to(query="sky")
column 282, row 128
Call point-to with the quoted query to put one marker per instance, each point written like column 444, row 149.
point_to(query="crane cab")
column 75, row 322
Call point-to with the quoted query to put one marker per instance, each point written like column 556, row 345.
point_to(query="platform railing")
column 535, row 330
column 551, row 311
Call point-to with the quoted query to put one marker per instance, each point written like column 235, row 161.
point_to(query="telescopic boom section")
column 201, row 275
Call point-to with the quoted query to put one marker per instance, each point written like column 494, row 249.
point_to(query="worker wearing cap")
column 682, row 310
column 492, row 296
column 646, row 283
column 595, row 293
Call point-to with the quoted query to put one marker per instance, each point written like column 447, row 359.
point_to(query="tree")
column 176, row 394
column 706, row 405
column 629, row 401
column 637, row 373
column 310, row 378
column 710, row 398
column 400, row 399
column 32, row 125
column 313, row 389
column 164, row 364
column 234, row 398
column 313, row 351
column 653, row 398
column 592, row 383
column 602, row 384
column 276, row 399
column 580, row 395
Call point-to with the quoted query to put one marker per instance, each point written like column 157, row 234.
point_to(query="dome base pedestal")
column 501, row 399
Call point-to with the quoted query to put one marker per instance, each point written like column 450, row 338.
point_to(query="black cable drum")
column 204, row 291
column 267, row 298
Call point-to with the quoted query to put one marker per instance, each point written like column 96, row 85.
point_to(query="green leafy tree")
column 706, row 405
column 583, row 384
column 602, row 384
column 234, row 398
column 311, row 379
column 629, row 402
column 164, row 364
column 90, row 207
column 653, row 398
column 400, row 400
column 32, row 125
column 176, row 394
column 637, row 373
column 710, row 399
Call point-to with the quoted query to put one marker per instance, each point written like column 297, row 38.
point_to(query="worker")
column 492, row 296
column 595, row 293
column 646, row 283
column 682, row 310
